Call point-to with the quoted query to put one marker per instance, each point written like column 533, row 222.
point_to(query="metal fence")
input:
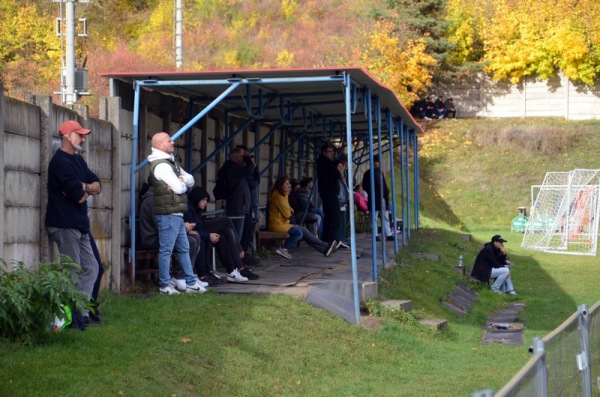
column 565, row 363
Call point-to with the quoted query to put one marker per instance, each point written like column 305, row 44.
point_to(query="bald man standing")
column 170, row 182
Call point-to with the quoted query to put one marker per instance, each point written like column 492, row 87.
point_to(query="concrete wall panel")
column 26, row 252
column 22, row 189
column 22, row 225
column 21, row 153
column 21, row 118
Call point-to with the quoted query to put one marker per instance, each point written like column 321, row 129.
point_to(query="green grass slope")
column 475, row 174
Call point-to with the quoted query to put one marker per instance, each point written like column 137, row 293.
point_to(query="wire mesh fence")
column 565, row 363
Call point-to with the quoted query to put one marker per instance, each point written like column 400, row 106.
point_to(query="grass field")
column 475, row 174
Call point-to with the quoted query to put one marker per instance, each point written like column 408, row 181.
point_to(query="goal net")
column 565, row 213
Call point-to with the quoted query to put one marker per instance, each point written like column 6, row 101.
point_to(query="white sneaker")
column 196, row 288
column 283, row 252
column 236, row 277
column 169, row 290
column 511, row 292
column 202, row 283
column 179, row 283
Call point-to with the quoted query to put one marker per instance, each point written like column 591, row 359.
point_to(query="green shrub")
column 30, row 300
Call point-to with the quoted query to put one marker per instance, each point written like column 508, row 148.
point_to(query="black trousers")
column 333, row 218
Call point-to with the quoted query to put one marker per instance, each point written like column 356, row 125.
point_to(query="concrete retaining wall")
column 556, row 97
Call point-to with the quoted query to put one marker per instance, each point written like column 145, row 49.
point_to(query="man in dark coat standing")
column 329, row 189
column 491, row 263
column 70, row 183
column 379, row 195
column 236, row 172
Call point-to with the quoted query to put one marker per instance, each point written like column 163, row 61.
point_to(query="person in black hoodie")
column 491, row 263
column 329, row 189
column 220, row 233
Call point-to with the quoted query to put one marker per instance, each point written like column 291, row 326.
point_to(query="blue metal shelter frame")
column 310, row 107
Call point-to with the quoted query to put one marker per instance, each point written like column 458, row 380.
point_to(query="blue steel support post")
column 256, row 151
column 383, row 212
column 190, row 140
column 416, row 178
column 407, row 180
column 390, row 125
column 367, row 104
column 348, row 86
column 132, row 171
column 402, row 178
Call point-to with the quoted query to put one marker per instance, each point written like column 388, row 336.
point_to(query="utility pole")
column 178, row 34
column 73, row 80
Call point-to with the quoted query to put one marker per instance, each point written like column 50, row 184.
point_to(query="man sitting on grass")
column 491, row 263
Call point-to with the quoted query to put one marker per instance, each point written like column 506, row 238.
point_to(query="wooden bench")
column 265, row 235
column 146, row 264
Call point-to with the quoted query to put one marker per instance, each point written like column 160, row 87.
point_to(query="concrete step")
column 435, row 324
column 398, row 305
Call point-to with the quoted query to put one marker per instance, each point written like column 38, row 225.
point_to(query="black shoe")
column 330, row 248
column 93, row 320
column 249, row 260
column 248, row 273
column 214, row 277
column 210, row 281
column 390, row 238
column 378, row 238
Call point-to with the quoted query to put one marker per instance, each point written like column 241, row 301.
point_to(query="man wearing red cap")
column 70, row 183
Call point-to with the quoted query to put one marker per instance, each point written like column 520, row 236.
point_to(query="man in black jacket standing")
column 380, row 194
column 70, row 183
column 491, row 263
column 329, row 189
column 236, row 171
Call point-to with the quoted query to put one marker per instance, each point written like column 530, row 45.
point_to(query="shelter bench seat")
column 264, row 235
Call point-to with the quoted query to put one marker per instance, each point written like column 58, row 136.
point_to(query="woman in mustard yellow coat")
column 280, row 213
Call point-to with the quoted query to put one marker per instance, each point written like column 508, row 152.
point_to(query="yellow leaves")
column 524, row 38
column 285, row 59
column 288, row 7
column 398, row 64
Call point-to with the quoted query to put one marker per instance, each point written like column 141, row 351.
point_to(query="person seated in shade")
column 220, row 233
column 450, row 109
column 491, row 263
column 360, row 199
column 280, row 212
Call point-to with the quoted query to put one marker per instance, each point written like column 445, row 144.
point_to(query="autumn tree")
column 516, row 39
column 403, row 65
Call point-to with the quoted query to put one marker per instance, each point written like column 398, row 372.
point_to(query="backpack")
column 220, row 191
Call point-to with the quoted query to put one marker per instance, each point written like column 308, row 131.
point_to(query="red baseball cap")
column 72, row 126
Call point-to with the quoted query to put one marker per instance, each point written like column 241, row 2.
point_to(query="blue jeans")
column 172, row 237
column 503, row 281
column 298, row 233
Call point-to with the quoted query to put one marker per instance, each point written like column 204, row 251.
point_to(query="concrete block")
column 396, row 304
column 428, row 256
column 436, row 324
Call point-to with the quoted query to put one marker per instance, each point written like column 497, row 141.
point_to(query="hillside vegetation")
column 475, row 173
column 405, row 44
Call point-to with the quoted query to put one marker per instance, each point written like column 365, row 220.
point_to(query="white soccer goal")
column 565, row 213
